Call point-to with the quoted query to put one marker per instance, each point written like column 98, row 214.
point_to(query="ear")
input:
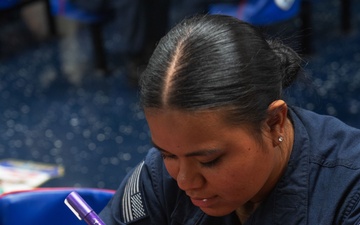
column 275, row 122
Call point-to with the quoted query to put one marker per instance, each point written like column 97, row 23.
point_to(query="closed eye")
column 167, row 156
column 164, row 154
column 205, row 153
column 211, row 163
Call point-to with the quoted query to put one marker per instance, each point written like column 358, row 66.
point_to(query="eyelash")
column 212, row 163
column 164, row 156
column 203, row 164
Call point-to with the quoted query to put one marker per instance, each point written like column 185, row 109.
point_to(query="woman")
column 227, row 148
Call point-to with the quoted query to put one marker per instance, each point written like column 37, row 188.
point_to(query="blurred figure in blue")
column 141, row 23
column 259, row 12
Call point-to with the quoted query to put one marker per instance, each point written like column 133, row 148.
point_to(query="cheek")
column 244, row 174
column 172, row 168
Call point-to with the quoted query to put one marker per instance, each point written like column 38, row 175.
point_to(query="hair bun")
column 290, row 62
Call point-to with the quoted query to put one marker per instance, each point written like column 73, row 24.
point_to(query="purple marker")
column 82, row 210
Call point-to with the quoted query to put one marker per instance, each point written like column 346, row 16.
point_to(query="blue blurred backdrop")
column 57, row 108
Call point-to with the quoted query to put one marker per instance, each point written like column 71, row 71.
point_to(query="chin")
column 217, row 212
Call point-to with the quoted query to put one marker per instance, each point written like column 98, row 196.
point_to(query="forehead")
column 180, row 127
column 223, row 117
column 181, row 117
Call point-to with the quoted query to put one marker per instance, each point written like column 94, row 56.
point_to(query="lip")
column 203, row 202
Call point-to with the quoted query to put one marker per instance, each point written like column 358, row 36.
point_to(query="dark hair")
column 212, row 62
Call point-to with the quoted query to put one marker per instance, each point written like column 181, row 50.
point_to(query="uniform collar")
column 185, row 212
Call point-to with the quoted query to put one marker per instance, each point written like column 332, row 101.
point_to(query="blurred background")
column 68, row 73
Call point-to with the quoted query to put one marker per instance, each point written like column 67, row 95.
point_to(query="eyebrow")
column 204, row 152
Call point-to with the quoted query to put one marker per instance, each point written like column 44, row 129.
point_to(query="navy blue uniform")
column 321, row 185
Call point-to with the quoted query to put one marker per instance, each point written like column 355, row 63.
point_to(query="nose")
column 189, row 178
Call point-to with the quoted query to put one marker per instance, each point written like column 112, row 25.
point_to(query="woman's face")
column 220, row 167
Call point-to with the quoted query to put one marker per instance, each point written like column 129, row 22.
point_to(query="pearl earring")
column 281, row 138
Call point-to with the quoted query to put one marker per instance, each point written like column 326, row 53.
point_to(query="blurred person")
column 141, row 24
